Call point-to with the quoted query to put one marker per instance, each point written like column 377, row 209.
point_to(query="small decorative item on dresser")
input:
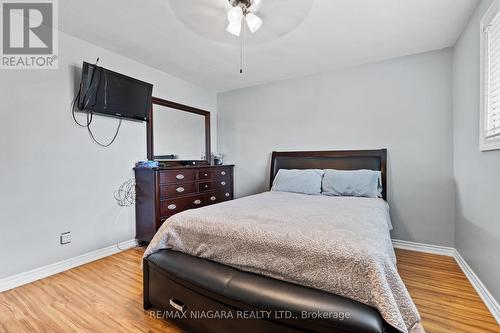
column 165, row 191
column 217, row 159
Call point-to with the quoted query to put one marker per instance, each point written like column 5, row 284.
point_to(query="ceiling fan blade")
column 255, row 7
column 254, row 22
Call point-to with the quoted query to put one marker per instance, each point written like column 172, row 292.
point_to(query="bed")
column 283, row 262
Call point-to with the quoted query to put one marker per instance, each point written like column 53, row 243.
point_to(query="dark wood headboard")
column 340, row 160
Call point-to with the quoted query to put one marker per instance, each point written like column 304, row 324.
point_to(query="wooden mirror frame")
column 180, row 107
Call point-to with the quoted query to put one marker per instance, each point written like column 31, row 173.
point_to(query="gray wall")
column 53, row 178
column 477, row 174
column 402, row 104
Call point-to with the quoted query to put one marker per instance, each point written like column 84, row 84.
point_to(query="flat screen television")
column 109, row 93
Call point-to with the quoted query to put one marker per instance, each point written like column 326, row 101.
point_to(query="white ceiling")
column 327, row 34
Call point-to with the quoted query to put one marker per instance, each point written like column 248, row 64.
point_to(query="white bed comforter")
column 337, row 244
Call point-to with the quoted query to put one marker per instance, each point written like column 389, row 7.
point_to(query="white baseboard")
column 425, row 248
column 485, row 295
column 61, row 266
column 480, row 288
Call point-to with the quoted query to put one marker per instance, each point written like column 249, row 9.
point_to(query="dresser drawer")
column 214, row 185
column 205, row 186
column 177, row 176
column 174, row 206
column 205, row 174
column 221, row 182
column 219, row 196
column 221, row 173
column 176, row 190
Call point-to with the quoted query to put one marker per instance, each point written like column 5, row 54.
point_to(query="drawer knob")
column 197, row 202
column 223, row 183
column 180, row 176
column 206, row 186
column 172, row 207
column 180, row 189
column 223, row 173
column 206, row 175
column 213, row 198
column 227, row 195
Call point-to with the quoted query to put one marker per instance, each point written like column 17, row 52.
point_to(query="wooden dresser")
column 163, row 192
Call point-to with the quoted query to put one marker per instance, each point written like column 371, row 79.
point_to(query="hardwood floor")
column 446, row 300
column 106, row 296
column 103, row 296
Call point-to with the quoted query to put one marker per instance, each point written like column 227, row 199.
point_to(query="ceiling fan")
column 243, row 10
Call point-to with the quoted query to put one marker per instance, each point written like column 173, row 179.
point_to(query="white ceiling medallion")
column 208, row 18
column 270, row 19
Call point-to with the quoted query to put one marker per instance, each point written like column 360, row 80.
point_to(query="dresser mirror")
column 178, row 134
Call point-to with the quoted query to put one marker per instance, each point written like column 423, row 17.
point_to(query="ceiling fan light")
column 235, row 14
column 234, row 29
column 254, row 22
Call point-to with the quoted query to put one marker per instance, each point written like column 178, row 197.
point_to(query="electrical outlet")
column 65, row 238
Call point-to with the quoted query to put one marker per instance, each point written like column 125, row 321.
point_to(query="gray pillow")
column 355, row 183
column 298, row 181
